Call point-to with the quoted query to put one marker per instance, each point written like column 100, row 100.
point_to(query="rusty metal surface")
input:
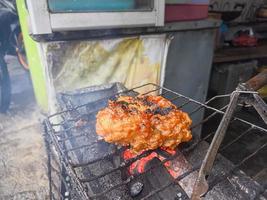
column 260, row 107
column 258, row 81
column 201, row 186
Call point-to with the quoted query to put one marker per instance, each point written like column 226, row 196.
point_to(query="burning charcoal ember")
column 175, row 167
column 136, row 189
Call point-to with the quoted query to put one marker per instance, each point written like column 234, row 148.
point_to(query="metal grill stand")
column 94, row 169
column 245, row 93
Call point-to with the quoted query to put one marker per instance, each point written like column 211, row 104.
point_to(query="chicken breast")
column 143, row 123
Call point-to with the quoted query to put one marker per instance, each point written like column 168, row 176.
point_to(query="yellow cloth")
column 131, row 61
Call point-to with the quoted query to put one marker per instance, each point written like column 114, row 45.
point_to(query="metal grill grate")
column 75, row 149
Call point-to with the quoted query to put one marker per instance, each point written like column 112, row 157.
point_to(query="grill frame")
column 64, row 162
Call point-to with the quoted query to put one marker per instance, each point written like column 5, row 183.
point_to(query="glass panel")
column 99, row 5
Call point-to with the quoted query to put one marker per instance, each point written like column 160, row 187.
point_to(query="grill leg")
column 201, row 185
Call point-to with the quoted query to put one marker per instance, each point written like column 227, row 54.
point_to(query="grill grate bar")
column 79, row 182
column 72, row 127
column 184, row 104
column 122, row 166
column 64, row 162
column 155, row 90
column 198, row 167
column 56, row 171
column 236, row 139
column 164, row 93
column 207, row 118
column 174, row 99
column 116, row 152
column 91, row 122
column 63, row 123
column 141, row 175
column 83, row 146
column 174, row 181
column 247, row 158
column 216, row 110
column 97, row 160
column 194, row 145
column 80, row 106
column 151, row 168
column 197, row 109
column 112, row 188
column 72, row 137
column 56, row 189
column 148, row 170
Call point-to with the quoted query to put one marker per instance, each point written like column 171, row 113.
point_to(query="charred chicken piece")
column 143, row 123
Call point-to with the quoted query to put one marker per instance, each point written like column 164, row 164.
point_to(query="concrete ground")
column 23, row 171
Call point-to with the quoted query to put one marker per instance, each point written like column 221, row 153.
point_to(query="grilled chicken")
column 143, row 123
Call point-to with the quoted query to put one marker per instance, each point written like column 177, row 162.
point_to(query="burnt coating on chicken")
column 143, row 123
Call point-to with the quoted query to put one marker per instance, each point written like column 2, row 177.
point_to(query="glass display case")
column 99, row 5
column 48, row 16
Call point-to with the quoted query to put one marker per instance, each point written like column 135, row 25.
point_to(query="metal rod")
column 83, row 146
column 122, row 165
column 217, row 97
column 258, row 81
column 221, row 178
column 145, row 172
column 64, row 162
column 112, row 188
column 49, row 165
column 184, row 104
column 155, row 90
column 260, row 106
column 72, row 137
column 57, row 191
column 189, row 172
column 175, row 98
column 164, row 93
column 236, row 139
column 180, row 95
column 72, row 127
column 152, row 193
column 208, row 118
column 201, row 185
column 96, row 160
column 193, row 146
column 197, row 109
column 108, row 97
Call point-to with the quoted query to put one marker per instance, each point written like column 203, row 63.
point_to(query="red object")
column 245, row 40
column 185, row 12
column 138, row 167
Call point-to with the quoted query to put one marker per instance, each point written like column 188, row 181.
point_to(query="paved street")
column 23, row 158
